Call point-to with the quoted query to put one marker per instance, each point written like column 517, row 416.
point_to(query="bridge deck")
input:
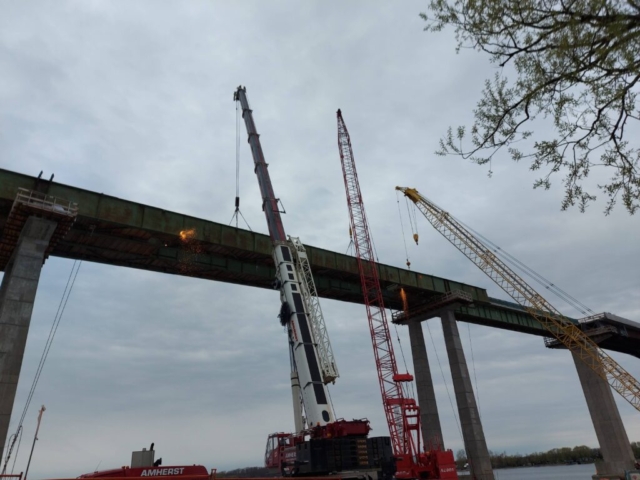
column 119, row 232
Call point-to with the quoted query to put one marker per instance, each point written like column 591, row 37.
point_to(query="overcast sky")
column 134, row 99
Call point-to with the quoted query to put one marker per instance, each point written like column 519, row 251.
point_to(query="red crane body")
column 402, row 412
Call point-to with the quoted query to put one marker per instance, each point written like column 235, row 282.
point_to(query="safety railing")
column 46, row 202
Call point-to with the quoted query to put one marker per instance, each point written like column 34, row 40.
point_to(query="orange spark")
column 405, row 303
column 187, row 234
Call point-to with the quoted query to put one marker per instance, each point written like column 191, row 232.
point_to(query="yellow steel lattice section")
column 570, row 335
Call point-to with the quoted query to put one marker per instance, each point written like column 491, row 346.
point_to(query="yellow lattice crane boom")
column 563, row 329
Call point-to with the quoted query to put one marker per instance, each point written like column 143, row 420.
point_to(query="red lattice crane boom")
column 402, row 412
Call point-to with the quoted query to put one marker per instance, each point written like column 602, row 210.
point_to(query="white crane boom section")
column 293, row 313
column 310, row 295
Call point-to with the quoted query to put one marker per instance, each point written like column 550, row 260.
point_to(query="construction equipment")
column 402, row 412
column 325, row 445
column 144, row 465
column 328, row 366
column 564, row 330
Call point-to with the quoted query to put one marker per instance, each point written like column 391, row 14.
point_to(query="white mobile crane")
column 326, row 445
column 327, row 363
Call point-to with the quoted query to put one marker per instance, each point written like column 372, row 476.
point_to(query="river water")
column 561, row 472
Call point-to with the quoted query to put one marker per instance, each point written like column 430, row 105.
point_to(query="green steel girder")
column 115, row 221
column 118, row 232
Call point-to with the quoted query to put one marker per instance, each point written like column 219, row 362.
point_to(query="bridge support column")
column 429, row 419
column 472, row 433
column 17, row 295
column 612, row 437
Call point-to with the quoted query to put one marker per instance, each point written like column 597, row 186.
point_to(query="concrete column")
column 612, row 437
column 17, row 294
column 472, row 433
column 429, row 419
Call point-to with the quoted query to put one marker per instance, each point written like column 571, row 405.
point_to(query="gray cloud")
column 135, row 100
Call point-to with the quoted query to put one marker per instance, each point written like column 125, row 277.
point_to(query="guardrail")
column 46, row 202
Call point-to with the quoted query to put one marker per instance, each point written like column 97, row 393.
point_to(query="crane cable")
column 18, row 449
column 414, row 230
column 473, row 362
column 237, row 213
column 238, row 153
column 413, row 221
column 444, row 380
column 475, row 377
column 514, row 262
column 572, row 301
column 377, row 260
column 406, row 251
column 75, row 268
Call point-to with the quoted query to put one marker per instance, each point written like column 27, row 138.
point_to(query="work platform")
column 123, row 233
column 29, row 203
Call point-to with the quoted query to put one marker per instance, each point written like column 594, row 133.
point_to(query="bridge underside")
column 118, row 232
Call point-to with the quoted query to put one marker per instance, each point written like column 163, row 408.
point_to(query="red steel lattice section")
column 399, row 410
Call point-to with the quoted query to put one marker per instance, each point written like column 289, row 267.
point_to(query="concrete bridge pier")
column 17, row 295
column 472, row 432
column 612, row 436
column 429, row 419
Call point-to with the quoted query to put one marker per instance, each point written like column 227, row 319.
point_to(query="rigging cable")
column 335, row 415
column 475, row 378
column 54, row 328
column 445, row 381
column 11, row 441
column 406, row 251
column 351, row 246
column 16, row 457
column 237, row 213
column 413, row 221
column 518, row 265
column 508, row 258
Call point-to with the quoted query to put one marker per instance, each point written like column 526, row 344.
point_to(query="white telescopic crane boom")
column 293, row 314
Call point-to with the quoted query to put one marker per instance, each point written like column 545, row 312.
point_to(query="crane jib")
column 269, row 200
column 566, row 332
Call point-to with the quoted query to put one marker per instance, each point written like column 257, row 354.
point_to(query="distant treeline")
column 555, row 456
column 255, row 472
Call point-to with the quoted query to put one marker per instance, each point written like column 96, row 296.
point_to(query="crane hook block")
column 415, row 238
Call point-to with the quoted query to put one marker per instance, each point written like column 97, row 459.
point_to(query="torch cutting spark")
column 405, row 303
column 187, row 234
